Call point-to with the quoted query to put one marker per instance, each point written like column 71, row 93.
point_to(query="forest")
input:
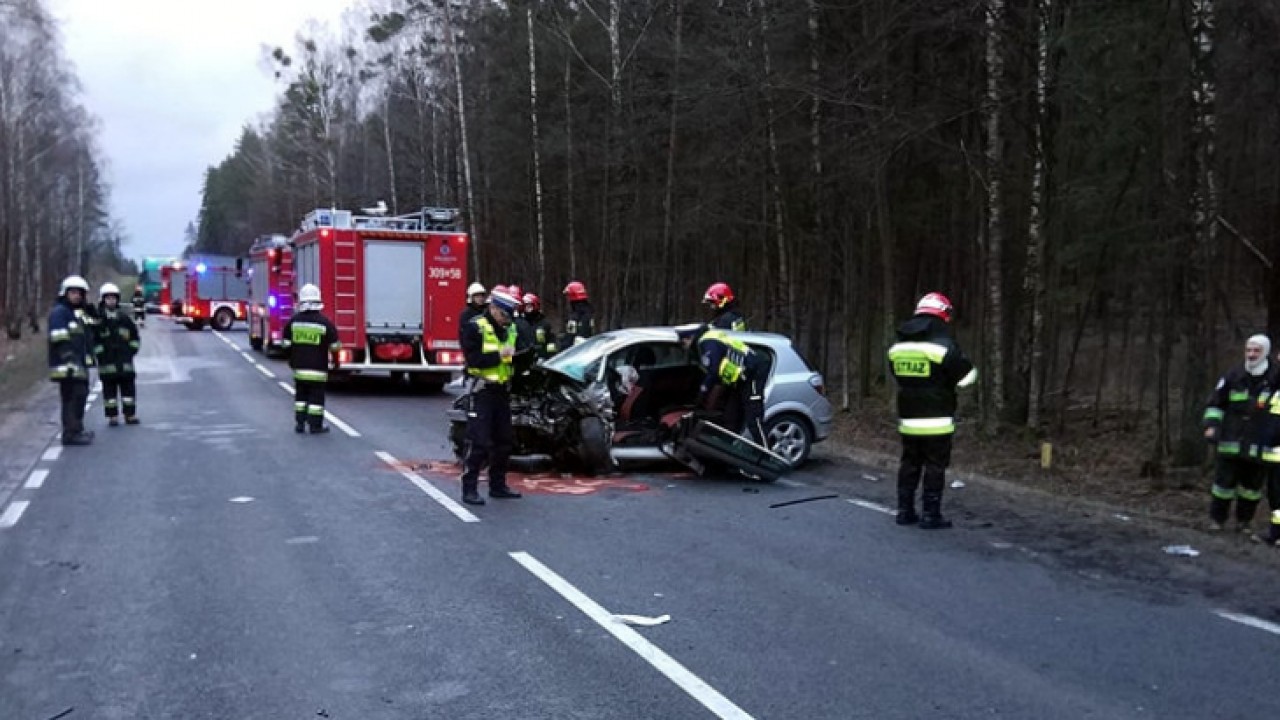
column 1095, row 184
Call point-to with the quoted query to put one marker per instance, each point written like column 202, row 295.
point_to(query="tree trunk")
column 667, row 201
column 537, row 156
column 785, row 286
column 887, row 265
column 472, row 224
column 391, row 155
column 995, row 215
column 568, row 164
column 1034, row 286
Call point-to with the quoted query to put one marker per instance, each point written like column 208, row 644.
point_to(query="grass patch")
column 23, row 365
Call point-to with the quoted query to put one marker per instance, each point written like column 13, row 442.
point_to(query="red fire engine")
column 216, row 293
column 393, row 285
column 173, row 288
column 272, row 291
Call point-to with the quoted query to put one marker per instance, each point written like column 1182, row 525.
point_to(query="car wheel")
column 593, row 446
column 788, row 435
column 223, row 319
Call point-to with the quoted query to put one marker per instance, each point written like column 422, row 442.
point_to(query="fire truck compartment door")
column 393, row 280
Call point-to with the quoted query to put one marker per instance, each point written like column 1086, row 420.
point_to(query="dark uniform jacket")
column 1238, row 411
column 544, row 339
column 116, row 343
column 580, row 325
column 139, row 303
column 928, row 366
column 70, row 348
column 469, row 313
column 311, row 338
column 728, row 318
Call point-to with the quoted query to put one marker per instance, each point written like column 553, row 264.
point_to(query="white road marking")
column 264, row 371
column 36, row 479
column 788, row 483
column 462, row 513
column 51, row 454
column 695, row 686
column 873, row 506
column 333, row 420
column 92, row 397
column 1249, row 620
column 13, row 513
column 285, row 386
column 241, row 499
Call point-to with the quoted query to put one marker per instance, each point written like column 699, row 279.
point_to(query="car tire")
column 593, row 446
column 195, row 325
column 256, row 344
column 789, row 435
column 223, row 320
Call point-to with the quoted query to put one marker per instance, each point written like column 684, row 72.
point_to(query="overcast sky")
column 172, row 82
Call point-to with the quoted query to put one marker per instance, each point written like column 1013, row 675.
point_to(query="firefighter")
column 139, row 308
column 311, row 340
column 117, row 342
column 1236, row 421
column 544, row 339
column 929, row 367
column 581, row 323
column 489, row 344
column 70, row 357
column 731, row 384
column 475, row 305
column 724, row 308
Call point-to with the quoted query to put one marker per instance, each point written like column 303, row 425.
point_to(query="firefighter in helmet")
column 544, row 339
column 139, row 307
column 475, row 304
column 71, row 356
column 581, row 323
column 731, row 384
column 724, row 308
column 928, row 367
column 1237, row 422
column 489, row 344
column 311, row 340
column 117, row 342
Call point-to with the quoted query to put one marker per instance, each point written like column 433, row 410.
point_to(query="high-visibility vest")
column 734, row 364
column 503, row 371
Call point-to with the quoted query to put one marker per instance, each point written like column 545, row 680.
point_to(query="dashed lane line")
column 696, row 687
column 36, row 479
column 1249, row 620
column 334, row 419
column 13, row 513
column 873, row 506
column 435, row 493
column 264, row 370
column 52, row 453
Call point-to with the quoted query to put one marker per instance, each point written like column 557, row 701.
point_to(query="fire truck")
column 271, row 290
column 394, row 286
column 173, row 288
column 216, row 293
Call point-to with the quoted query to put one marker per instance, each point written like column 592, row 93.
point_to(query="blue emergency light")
column 201, row 267
column 271, row 300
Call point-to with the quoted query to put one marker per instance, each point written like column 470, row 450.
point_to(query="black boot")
column 932, row 518
column 906, row 508
column 503, row 492
column 318, row 429
column 1245, row 510
column 299, row 427
column 471, row 497
column 1219, row 508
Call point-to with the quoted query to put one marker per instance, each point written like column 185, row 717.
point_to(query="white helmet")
column 108, row 289
column 475, row 289
column 309, row 297
column 73, row 282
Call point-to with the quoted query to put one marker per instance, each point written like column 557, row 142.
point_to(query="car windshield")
column 577, row 361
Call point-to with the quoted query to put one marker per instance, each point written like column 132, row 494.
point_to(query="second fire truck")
column 272, row 290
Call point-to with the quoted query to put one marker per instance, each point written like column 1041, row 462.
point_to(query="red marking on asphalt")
column 542, row 483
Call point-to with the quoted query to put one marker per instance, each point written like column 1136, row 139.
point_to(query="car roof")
column 668, row 334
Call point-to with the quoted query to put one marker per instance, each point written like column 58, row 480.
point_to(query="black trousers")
column 489, row 438
column 75, row 393
column 308, row 401
column 1241, row 480
column 741, row 406
column 118, row 390
column 924, row 457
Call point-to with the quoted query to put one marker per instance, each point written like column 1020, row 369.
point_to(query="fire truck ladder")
column 345, row 283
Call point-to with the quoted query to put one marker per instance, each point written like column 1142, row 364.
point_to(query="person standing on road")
column 311, row 339
column 116, row 345
column 730, row 385
column 475, row 305
column 929, row 367
column 724, row 308
column 70, row 357
column 139, row 308
column 489, row 344
column 544, row 339
column 581, row 323
column 1237, row 422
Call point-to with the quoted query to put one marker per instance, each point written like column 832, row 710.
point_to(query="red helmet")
column 935, row 304
column 575, row 291
column 532, row 303
column 718, row 295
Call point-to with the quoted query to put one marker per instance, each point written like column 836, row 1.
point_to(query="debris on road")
column 1184, row 550
column 872, row 478
column 241, row 499
column 1122, row 516
column 64, row 713
column 804, row 500
column 957, row 483
column 641, row 620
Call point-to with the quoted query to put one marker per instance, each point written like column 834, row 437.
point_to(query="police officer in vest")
column 489, row 344
column 1237, row 422
column 928, row 367
column 70, row 357
column 731, row 383
column 116, row 343
column 311, row 339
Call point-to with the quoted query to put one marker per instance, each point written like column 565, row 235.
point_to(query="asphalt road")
column 212, row 564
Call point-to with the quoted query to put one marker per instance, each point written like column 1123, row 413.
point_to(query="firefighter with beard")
column 581, row 323
column 544, row 339
column 71, row 356
column 724, row 308
column 489, row 344
column 311, row 339
column 116, row 344
column 1237, row 422
column 928, row 367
